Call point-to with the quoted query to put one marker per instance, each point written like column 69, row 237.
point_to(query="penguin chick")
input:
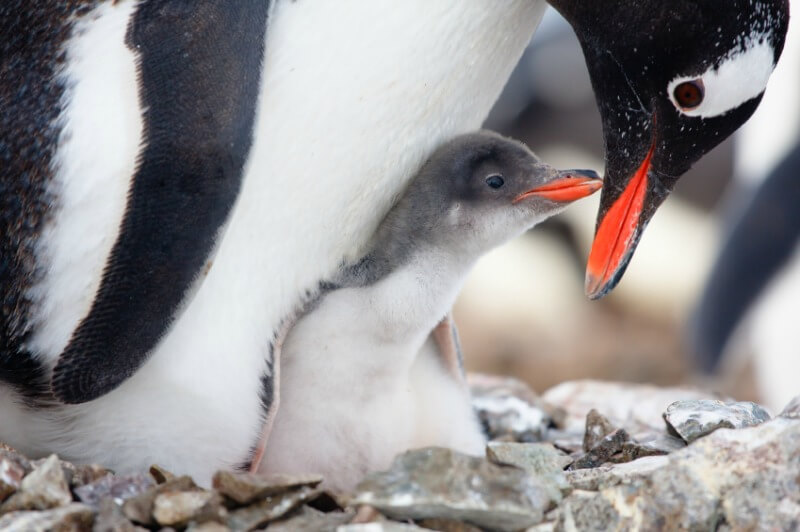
column 362, row 378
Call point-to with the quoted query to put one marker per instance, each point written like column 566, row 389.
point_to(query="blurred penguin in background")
column 750, row 305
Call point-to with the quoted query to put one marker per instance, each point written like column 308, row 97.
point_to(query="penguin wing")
column 199, row 74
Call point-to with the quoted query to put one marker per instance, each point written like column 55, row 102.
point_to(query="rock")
column 380, row 526
column 139, row 508
column 245, row 488
column 634, row 407
column 440, row 483
column 746, row 479
column 177, row 508
column 792, row 410
column 310, row 520
column 86, row 474
column 208, row 526
column 160, row 475
column 510, row 411
column 45, row 487
column 270, row 509
column 447, row 525
column 603, row 451
column 540, row 459
column 111, row 519
column 119, row 488
column 611, row 475
column 652, row 444
column 597, row 427
column 11, row 475
column 73, row 517
column 697, row 418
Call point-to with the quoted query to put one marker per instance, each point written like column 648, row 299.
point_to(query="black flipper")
column 199, row 73
column 763, row 238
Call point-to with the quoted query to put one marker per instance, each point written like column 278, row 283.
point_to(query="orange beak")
column 616, row 235
column 565, row 189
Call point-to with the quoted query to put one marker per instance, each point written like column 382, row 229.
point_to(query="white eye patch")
column 742, row 76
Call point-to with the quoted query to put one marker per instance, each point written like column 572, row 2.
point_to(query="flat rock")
column 447, row 525
column 73, row 517
column 598, row 427
column 177, row 508
column 43, row 488
column 270, row 509
column 440, row 483
column 311, row 520
column 694, row 419
column 510, row 411
column 380, row 526
column 208, row 526
column 119, row 488
column 746, row 479
column 634, row 407
column 540, row 459
column 245, row 488
column 611, row 475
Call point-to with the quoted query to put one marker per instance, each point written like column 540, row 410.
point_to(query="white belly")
column 356, row 391
column 356, row 93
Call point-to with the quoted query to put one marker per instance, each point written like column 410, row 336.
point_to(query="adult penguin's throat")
column 617, row 234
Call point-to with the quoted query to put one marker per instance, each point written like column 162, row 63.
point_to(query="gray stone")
column 440, row 483
column 611, row 475
column 540, row 459
column 510, row 410
column 311, row 520
column 597, row 427
column 139, row 508
column 380, row 526
column 73, row 517
column 697, row 418
column 209, row 526
column 270, row 509
column 634, row 407
column 177, row 508
column 745, row 478
column 447, row 525
column 45, row 487
column 603, row 451
column 11, row 475
column 246, row 487
column 792, row 410
column 111, row 519
column 86, row 474
column 119, row 488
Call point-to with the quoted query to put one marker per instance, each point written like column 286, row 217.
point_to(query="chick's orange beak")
column 572, row 185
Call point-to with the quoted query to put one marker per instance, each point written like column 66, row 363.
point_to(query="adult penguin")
column 177, row 176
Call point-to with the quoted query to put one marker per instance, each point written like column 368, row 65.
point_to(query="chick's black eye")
column 495, row 181
column 689, row 94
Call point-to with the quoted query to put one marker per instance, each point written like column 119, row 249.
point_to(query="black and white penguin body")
column 341, row 119
column 361, row 377
column 177, row 176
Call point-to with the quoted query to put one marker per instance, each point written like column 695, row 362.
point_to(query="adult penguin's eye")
column 689, row 94
column 495, row 181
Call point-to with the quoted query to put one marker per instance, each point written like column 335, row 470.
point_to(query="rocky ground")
column 586, row 455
